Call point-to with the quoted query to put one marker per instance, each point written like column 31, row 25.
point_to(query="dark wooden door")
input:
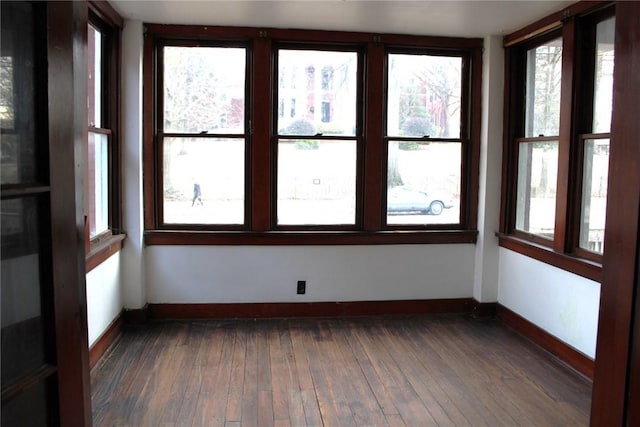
column 45, row 380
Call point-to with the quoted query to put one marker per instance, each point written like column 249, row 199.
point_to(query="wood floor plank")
column 210, row 406
column 395, row 371
column 236, row 383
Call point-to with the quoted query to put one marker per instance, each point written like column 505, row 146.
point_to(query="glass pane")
column 317, row 92
column 17, row 95
column 537, row 179
column 99, row 182
column 603, row 90
column 94, row 53
column 22, row 328
column 316, row 182
column 204, row 89
column 594, row 194
column 204, row 181
column 423, row 182
column 424, row 96
column 544, row 75
column 28, row 409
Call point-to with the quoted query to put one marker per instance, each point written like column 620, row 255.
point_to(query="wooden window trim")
column 260, row 227
column 563, row 251
column 109, row 22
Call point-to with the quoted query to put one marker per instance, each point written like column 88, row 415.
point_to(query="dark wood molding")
column 106, row 340
column 102, row 250
column 67, row 76
column 309, row 309
column 613, row 402
column 553, row 21
column 158, row 237
column 106, row 12
column 567, row 354
column 580, row 266
column 136, row 316
column 309, row 36
column 484, row 310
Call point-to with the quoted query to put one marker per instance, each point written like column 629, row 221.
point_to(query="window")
column 317, row 157
column 268, row 136
column 102, row 207
column 423, row 139
column 203, row 135
column 595, row 144
column 559, row 92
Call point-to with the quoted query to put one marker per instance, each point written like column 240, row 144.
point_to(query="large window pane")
column 22, row 328
column 317, row 92
column 204, row 180
column 537, row 179
column 603, row 90
column 594, row 194
column 94, row 77
column 423, row 183
column 17, row 96
column 424, row 96
column 544, row 75
column 316, row 182
column 98, row 184
column 204, row 89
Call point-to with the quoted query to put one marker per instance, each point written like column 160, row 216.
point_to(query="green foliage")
column 302, row 127
column 299, row 127
column 409, row 146
column 307, row 144
column 417, row 126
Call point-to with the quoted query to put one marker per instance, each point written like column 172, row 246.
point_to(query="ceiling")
column 438, row 18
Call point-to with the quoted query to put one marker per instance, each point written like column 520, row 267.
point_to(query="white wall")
column 562, row 303
column 104, row 296
column 215, row 274
column 133, row 250
column 485, row 287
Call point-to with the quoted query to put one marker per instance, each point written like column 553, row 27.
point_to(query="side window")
column 559, row 96
column 537, row 149
column 102, row 206
column 595, row 142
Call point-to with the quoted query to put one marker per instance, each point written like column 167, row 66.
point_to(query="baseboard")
column 572, row 357
column 484, row 310
column 309, row 309
column 137, row 316
column 102, row 344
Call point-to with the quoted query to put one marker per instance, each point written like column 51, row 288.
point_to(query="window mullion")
column 374, row 150
column 563, row 219
column 260, row 168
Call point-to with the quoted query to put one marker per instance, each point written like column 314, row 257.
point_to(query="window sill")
column 102, row 249
column 173, row 237
column 581, row 267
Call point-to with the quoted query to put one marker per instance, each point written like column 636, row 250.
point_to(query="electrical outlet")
column 302, row 287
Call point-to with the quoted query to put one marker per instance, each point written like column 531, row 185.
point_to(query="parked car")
column 403, row 199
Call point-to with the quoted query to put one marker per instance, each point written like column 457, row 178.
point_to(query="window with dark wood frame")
column 554, row 183
column 291, row 141
column 103, row 230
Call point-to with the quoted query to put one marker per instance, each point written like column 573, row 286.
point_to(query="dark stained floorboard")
column 444, row 370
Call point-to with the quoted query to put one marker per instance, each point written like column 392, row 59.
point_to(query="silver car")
column 404, row 199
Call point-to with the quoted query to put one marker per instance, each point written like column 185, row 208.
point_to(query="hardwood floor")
column 374, row 371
